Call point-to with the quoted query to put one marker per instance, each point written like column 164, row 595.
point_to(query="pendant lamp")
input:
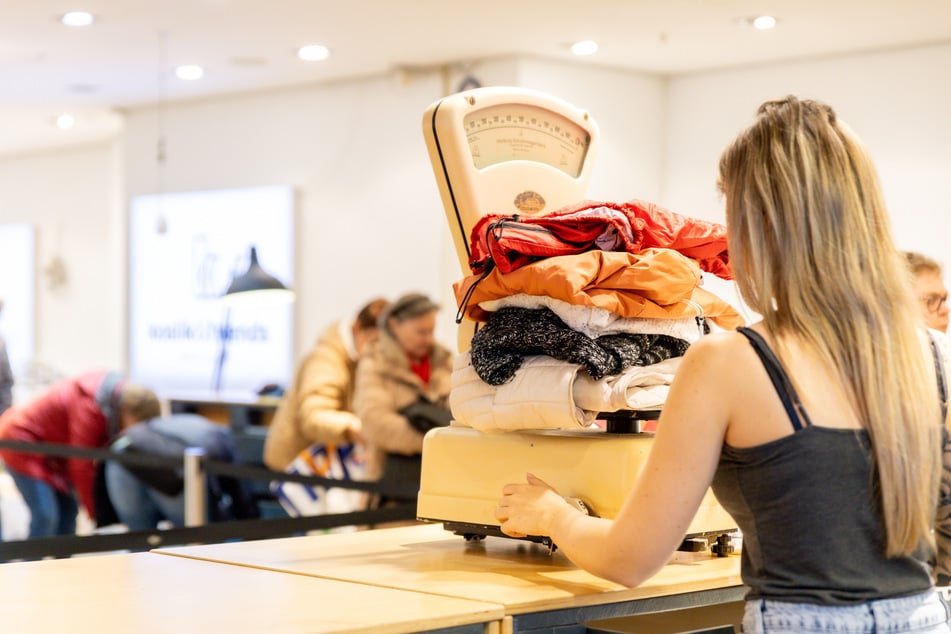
column 254, row 285
column 256, row 280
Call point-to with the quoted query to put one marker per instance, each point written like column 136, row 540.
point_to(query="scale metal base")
column 464, row 471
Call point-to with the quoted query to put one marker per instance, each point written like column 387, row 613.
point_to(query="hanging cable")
column 161, row 225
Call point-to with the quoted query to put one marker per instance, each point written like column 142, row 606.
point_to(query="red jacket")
column 67, row 414
column 512, row 242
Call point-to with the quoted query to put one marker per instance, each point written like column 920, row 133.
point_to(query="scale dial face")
column 519, row 132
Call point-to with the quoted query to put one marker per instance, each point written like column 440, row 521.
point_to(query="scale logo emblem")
column 529, row 202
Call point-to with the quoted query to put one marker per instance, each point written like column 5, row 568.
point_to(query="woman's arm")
column 324, row 392
column 658, row 510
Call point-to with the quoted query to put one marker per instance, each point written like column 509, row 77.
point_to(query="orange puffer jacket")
column 658, row 283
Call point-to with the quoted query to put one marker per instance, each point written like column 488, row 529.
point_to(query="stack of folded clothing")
column 585, row 310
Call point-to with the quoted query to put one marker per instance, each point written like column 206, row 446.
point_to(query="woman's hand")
column 354, row 433
column 530, row 509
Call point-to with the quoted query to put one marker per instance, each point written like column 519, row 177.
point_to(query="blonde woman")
column 819, row 428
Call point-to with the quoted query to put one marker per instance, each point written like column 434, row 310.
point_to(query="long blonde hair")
column 812, row 252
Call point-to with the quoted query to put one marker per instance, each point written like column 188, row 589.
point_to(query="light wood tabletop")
column 519, row 575
column 150, row 594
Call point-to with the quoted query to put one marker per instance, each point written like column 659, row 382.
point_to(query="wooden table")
column 540, row 592
column 146, row 593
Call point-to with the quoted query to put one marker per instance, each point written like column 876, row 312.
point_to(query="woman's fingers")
column 511, row 489
column 533, row 479
column 501, row 513
column 522, row 504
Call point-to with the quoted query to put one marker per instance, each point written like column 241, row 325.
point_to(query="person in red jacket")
column 84, row 411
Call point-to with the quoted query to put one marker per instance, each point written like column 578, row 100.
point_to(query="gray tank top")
column 805, row 505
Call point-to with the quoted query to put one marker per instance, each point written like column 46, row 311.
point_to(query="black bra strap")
column 784, row 387
column 942, row 379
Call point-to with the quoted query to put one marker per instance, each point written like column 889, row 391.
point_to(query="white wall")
column 69, row 196
column 630, row 110
column 896, row 101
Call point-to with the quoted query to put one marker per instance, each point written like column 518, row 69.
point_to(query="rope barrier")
column 216, row 532
column 240, row 471
column 196, row 472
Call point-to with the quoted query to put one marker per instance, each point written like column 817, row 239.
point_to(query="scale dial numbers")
column 516, row 132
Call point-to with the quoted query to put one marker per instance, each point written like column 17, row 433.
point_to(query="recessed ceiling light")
column 77, row 18
column 313, row 53
column 585, row 47
column 65, row 121
column 189, row 72
column 759, row 22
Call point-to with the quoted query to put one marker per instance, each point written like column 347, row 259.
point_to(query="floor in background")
column 15, row 516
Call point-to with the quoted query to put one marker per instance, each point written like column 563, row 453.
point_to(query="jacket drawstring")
column 464, row 304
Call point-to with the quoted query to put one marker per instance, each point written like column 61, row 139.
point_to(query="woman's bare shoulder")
column 718, row 360
column 725, row 344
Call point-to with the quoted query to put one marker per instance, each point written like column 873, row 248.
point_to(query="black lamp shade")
column 255, row 279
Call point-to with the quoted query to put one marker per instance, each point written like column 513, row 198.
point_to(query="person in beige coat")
column 403, row 369
column 318, row 407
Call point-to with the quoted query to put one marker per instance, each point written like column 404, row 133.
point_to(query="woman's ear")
column 392, row 324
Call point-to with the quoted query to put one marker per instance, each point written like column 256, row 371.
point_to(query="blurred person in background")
column 6, row 383
column 6, row 374
column 87, row 410
column 318, row 408
column 142, row 497
column 928, row 282
column 402, row 389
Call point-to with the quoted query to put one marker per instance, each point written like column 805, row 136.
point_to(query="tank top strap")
column 784, row 387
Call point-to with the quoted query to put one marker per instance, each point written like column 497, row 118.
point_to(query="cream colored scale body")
column 506, row 151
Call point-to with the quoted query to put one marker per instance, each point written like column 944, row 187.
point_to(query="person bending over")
column 144, row 496
column 84, row 411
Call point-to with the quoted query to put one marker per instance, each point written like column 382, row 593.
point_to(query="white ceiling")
column 127, row 58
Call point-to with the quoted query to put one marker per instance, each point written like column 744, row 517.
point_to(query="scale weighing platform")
column 505, row 150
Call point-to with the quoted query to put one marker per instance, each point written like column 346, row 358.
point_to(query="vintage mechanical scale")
column 514, row 150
